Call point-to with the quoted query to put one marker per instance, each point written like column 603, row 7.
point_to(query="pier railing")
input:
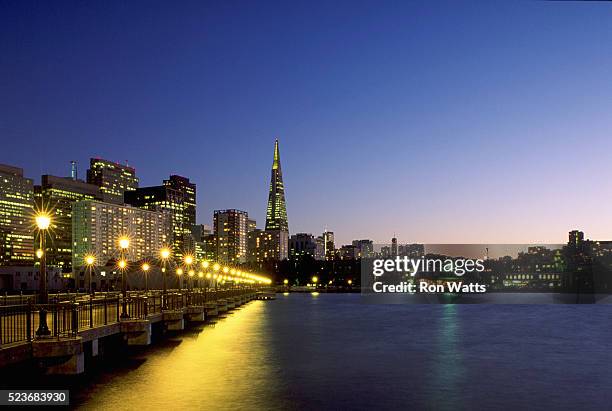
column 65, row 318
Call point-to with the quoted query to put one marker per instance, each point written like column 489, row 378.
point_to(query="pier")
column 82, row 324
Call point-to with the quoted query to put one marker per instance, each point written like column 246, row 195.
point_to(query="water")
column 332, row 352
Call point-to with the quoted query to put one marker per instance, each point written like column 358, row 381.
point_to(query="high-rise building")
column 97, row 227
column 394, row 247
column 576, row 238
column 330, row 248
column 347, row 252
column 59, row 194
column 165, row 198
column 230, row 229
column 364, row 248
column 16, row 217
column 276, row 213
column 113, row 179
column 319, row 248
column 301, row 245
column 188, row 190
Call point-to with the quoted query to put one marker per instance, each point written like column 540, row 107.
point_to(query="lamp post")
column 90, row 260
column 315, row 279
column 43, row 221
column 145, row 269
column 164, row 253
column 188, row 262
column 179, row 272
column 124, row 244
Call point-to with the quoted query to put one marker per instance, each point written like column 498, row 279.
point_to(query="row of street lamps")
column 219, row 273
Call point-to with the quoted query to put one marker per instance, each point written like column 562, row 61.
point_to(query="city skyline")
column 389, row 128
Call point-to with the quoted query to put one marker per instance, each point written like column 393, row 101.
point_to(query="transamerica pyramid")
column 276, row 214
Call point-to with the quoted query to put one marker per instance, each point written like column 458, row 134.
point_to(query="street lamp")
column 164, row 254
column 124, row 244
column 145, row 269
column 188, row 262
column 315, row 279
column 43, row 221
column 90, row 260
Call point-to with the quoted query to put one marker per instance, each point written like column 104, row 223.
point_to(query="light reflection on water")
column 332, row 352
column 221, row 366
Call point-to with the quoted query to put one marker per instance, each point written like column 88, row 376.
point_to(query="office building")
column 59, row 194
column 113, row 179
column 16, row 217
column 230, row 229
column 301, row 245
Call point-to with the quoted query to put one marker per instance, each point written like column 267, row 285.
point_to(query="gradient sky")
column 441, row 122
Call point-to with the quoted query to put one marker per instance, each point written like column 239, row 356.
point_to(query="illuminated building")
column 328, row 242
column 59, row 193
column 348, row 252
column 188, row 191
column 365, row 248
column 319, row 248
column 251, row 225
column 16, row 206
column 267, row 245
column 97, row 226
column 276, row 213
column 172, row 200
column 230, row 228
column 301, row 245
column 113, row 179
column 394, row 247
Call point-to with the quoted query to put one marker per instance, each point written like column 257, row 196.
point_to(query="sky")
column 436, row 122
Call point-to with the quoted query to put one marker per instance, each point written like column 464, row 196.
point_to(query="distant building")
column 301, row 245
column 113, row 179
column 319, row 248
column 59, row 194
column 394, row 247
column 385, row 251
column 576, row 238
column 364, row 248
column 347, row 252
column 97, row 226
column 230, row 228
column 16, row 217
column 411, row 250
column 267, row 245
column 330, row 248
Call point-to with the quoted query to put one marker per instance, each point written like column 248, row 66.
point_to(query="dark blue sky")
column 437, row 121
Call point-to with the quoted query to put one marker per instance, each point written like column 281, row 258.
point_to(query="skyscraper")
column 163, row 198
column 277, row 226
column 188, row 189
column 16, row 217
column 59, row 194
column 276, row 214
column 230, row 229
column 113, row 179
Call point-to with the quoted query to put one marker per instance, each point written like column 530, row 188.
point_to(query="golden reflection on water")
column 224, row 366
